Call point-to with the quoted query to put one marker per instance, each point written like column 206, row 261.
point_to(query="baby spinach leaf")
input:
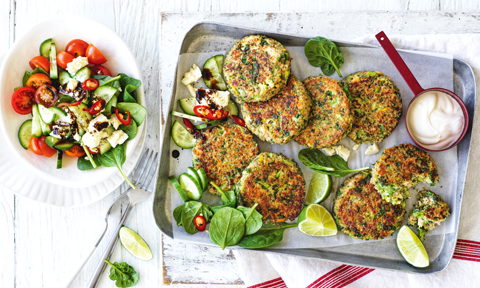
column 227, row 227
column 66, row 99
column 129, row 84
column 266, row 236
column 137, row 111
column 104, row 80
column 330, row 165
column 130, row 130
column 111, row 103
column 177, row 214
column 85, row 164
column 253, row 219
column 323, row 53
column 115, row 157
column 192, row 209
column 29, row 74
column 123, row 274
column 128, row 98
column 228, row 198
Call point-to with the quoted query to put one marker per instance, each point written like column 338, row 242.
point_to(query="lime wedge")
column 315, row 220
column 134, row 244
column 319, row 190
column 412, row 248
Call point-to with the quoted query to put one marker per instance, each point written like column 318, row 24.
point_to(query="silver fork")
column 142, row 178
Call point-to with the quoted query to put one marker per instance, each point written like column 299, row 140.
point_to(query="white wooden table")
column 39, row 244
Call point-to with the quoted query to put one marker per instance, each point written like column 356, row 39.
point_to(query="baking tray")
column 212, row 37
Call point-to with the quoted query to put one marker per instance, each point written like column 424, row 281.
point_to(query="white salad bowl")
column 62, row 30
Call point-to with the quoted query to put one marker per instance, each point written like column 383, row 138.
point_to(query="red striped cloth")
column 346, row 274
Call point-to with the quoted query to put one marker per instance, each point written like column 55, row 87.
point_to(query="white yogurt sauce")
column 435, row 120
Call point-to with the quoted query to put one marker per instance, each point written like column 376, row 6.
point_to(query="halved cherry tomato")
column 37, row 80
column 23, row 99
column 101, row 70
column 239, row 120
column 188, row 124
column 200, row 223
column 75, row 151
column 77, row 48
column 63, row 58
column 46, row 95
column 120, row 117
column 90, row 84
column 65, row 104
column 46, row 150
column 94, row 55
column 35, row 146
column 95, row 151
column 41, row 62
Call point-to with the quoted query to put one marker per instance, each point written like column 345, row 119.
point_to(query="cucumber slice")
column 45, row 48
column 182, row 137
column 25, row 133
column 104, row 92
column 59, row 159
column 232, row 108
column 179, row 189
column 104, row 146
column 64, row 77
column 53, row 61
column 63, row 145
column 212, row 73
column 203, row 178
column 47, row 115
column 187, row 105
column 83, row 117
column 194, row 118
column 36, row 125
column 190, row 186
column 210, row 124
column 83, row 74
column 45, row 128
column 57, row 111
column 51, row 141
column 194, row 173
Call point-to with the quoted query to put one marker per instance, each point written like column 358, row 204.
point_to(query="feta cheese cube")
column 372, row 149
column 342, row 152
column 209, row 96
column 191, row 90
column 355, row 147
column 77, row 64
column 329, row 151
column 97, row 122
column 72, row 84
column 115, row 122
column 92, row 140
column 192, row 76
column 77, row 137
column 117, row 138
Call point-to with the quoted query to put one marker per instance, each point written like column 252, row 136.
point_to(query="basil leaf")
column 177, row 214
column 323, row 53
column 330, row 165
column 137, row 111
column 266, row 236
column 123, row 274
column 192, row 209
column 227, row 227
column 253, row 219
column 130, row 130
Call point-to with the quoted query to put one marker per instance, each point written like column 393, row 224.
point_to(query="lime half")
column 412, row 248
column 134, row 244
column 315, row 220
column 319, row 190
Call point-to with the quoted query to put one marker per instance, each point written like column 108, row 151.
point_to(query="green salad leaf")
column 228, row 198
column 190, row 210
column 330, row 165
column 252, row 217
column 130, row 130
column 115, row 157
column 227, row 227
column 123, row 274
column 29, row 74
column 85, row 164
column 177, row 214
column 137, row 111
column 323, row 53
column 268, row 235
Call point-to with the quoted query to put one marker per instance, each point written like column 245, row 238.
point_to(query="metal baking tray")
column 211, row 37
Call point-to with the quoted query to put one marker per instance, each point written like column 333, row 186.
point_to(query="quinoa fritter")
column 401, row 167
column 276, row 183
column 256, row 68
column 331, row 118
column 223, row 152
column 281, row 118
column 360, row 212
column 376, row 105
column 429, row 211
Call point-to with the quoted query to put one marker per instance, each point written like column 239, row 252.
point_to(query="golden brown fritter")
column 376, row 105
column 331, row 118
column 276, row 183
column 256, row 68
column 223, row 152
column 360, row 212
column 401, row 167
column 281, row 118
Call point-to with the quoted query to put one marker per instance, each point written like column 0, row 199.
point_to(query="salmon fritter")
column 281, row 118
column 331, row 118
column 376, row 105
column 429, row 211
column 401, row 167
column 256, row 68
column 276, row 183
column 224, row 151
column 360, row 212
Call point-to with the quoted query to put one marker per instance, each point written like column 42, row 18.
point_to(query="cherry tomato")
column 37, row 80
column 200, row 223
column 35, row 145
column 23, row 99
column 77, row 48
column 94, row 55
column 63, row 58
column 101, row 70
column 94, row 151
column 75, row 151
column 90, row 84
column 239, row 120
column 46, row 95
column 46, row 150
column 41, row 62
